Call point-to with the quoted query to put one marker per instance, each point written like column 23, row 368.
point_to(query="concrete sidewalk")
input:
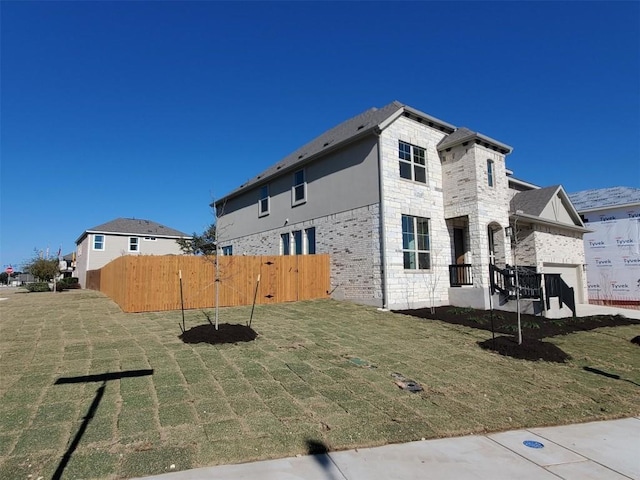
column 598, row 450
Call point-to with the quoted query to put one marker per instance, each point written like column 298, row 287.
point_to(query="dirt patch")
column 530, row 349
column 534, row 329
column 226, row 333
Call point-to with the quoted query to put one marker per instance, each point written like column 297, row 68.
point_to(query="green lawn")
column 189, row 405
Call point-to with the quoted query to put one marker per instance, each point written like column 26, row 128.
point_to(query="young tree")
column 44, row 269
column 204, row 244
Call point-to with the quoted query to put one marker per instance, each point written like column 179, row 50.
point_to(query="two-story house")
column 99, row 245
column 413, row 211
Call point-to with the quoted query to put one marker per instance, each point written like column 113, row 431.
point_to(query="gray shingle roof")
column 532, row 202
column 604, row 197
column 355, row 127
column 463, row 134
column 137, row 226
column 350, row 130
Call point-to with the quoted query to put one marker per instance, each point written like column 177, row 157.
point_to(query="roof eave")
column 103, row 232
column 608, row 207
column 544, row 221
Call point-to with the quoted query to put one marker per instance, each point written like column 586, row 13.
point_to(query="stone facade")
column 414, row 288
column 352, row 238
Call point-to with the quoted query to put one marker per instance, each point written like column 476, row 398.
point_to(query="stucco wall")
column 340, row 181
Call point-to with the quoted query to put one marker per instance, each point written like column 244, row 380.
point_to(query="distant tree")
column 44, row 269
column 4, row 278
column 204, row 244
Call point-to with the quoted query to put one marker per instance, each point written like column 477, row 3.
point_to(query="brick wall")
column 351, row 238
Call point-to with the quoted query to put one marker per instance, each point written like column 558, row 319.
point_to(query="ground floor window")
column 227, row 251
column 415, row 243
column 285, row 244
column 310, row 237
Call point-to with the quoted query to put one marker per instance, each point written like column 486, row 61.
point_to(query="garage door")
column 571, row 274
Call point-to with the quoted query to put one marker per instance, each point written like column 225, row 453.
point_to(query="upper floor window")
column 150, row 239
column 415, row 243
column 413, row 165
column 299, row 188
column 227, row 251
column 133, row 244
column 263, row 201
column 98, row 242
column 490, row 172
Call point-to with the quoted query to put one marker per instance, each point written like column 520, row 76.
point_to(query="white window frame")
column 307, row 244
column 264, row 201
column 93, row 243
column 136, row 243
column 299, row 185
column 409, row 156
column 416, row 249
column 227, row 251
column 491, row 173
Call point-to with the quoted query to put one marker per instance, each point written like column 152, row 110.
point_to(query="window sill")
column 263, row 214
column 299, row 202
column 415, row 182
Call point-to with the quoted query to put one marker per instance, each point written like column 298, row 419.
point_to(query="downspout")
column 383, row 232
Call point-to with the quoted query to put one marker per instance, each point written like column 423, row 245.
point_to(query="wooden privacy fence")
column 151, row 283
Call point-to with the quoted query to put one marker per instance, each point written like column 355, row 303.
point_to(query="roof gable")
column 135, row 226
column 549, row 203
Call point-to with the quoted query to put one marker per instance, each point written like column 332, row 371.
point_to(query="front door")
column 458, row 252
column 492, row 247
column 458, row 245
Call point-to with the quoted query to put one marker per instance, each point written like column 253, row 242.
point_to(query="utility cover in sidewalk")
column 406, row 384
column 533, row 444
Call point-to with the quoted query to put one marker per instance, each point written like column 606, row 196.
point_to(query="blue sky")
column 153, row 109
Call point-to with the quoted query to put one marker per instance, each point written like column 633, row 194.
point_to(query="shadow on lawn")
column 534, row 329
column 319, row 452
column 226, row 333
column 104, row 378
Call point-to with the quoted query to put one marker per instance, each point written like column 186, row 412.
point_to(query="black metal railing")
column 555, row 286
column 505, row 280
column 460, row 274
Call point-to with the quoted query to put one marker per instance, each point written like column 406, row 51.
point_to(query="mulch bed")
column 226, row 333
column 534, row 329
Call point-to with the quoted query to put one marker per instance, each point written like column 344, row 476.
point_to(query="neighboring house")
column 99, row 245
column 613, row 247
column 412, row 210
column 68, row 265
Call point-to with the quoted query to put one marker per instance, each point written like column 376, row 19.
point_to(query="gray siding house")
column 99, row 245
column 413, row 211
